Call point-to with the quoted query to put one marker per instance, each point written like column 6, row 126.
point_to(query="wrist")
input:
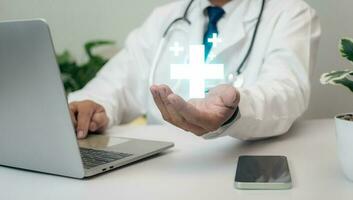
column 232, row 118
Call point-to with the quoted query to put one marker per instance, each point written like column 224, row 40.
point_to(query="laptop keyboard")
column 93, row 158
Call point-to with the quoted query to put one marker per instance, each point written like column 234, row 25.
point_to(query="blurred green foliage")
column 75, row 76
column 342, row 77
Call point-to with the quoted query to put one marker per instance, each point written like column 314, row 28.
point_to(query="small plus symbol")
column 176, row 48
column 214, row 40
column 197, row 71
column 211, row 56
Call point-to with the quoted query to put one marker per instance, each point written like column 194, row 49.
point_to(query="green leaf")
column 331, row 77
column 344, row 78
column 346, row 48
column 76, row 76
column 89, row 46
column 65, row 57
column 69, row 83
column 345, row 82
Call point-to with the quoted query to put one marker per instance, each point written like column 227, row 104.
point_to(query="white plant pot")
column 344, row 131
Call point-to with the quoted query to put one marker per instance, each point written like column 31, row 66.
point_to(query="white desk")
column 198, row 169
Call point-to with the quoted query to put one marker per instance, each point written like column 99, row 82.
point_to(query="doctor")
column 268, row 50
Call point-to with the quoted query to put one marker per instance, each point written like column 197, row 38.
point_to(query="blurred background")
column 75, row 22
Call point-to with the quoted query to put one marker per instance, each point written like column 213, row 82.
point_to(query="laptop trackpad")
column 101, row 142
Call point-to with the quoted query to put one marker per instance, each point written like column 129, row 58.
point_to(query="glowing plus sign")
column 214, row 40
column 176, row 49
column 211, row 56
column 197, row 71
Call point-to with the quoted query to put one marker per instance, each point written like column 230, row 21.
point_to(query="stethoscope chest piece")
column 236, row 80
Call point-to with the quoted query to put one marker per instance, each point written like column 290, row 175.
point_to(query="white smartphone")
column 262, row 173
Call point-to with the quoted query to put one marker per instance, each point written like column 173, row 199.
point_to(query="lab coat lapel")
column 232, row 35
column 238, row 26
column 196, row 28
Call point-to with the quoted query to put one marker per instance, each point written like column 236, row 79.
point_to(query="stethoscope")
column 236, row 78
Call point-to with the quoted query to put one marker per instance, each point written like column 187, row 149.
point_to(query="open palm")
column 199, row 116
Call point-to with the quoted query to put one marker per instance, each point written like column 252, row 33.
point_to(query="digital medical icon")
column 197, row 71
column 214, row 40
column 176, row 49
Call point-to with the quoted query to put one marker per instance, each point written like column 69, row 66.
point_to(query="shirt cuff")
column 218, row 133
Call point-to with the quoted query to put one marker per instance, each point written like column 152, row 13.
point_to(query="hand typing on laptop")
column 88, row 116
column 33, row 73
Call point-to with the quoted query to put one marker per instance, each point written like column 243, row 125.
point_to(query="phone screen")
column 262, row 169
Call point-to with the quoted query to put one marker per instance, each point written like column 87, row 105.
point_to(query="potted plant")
column 75, row 76
column 344, row 122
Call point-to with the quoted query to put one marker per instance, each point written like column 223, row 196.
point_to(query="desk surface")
column 198, row 169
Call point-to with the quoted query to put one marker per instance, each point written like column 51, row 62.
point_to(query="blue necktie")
column 214, row 15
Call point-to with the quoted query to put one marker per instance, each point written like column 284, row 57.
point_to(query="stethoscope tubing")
column 184, row 18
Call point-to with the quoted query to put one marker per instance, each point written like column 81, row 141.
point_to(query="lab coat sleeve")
column 281, row 94
column 121, row 86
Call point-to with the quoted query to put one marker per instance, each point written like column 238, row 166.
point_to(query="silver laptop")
column 36, row 132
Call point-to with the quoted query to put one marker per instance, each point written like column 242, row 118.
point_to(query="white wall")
column 75, row 21
column 336, row 19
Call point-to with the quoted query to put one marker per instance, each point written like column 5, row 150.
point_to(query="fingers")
column 175, row 117
column 197, row 115
column 229, row 95
column 99, row 122
column 192, row 114
column 83, row 122
column 160, row 95
column 158, row 100
column 88, row 116
column 73, row 111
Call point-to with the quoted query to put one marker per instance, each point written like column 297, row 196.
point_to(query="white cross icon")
column 176, row 48
column 197, row 71
column 214, row 40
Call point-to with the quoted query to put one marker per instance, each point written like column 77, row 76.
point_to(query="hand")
column 88, row 116
column 199, row 116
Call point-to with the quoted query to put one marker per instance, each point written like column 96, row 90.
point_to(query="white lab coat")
column 276, row 87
